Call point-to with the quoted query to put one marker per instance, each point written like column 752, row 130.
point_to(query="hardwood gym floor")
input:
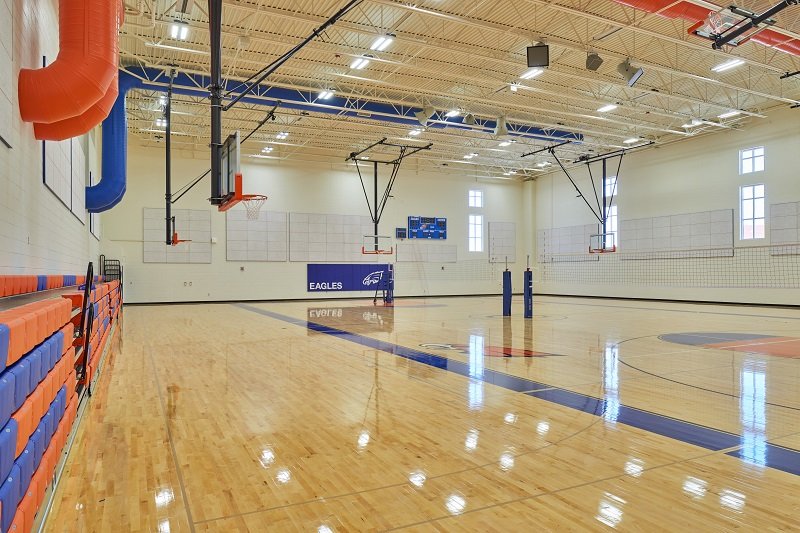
column 247, row 418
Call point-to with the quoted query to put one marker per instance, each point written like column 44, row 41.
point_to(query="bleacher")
column 45, row 366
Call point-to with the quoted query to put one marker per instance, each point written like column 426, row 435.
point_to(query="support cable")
column 577, row 189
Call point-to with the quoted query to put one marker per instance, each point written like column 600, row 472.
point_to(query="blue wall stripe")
column 780, row 458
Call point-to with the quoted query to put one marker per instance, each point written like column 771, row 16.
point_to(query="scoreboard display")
column 427, row 228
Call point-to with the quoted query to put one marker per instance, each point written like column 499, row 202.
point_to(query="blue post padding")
column 35, row 362
column 26, row 470
column 507, row 293
column 22, row 382
column 528, row 293
column 8, row 447
column 9, row 496
column 7, row 381
column 3, row 346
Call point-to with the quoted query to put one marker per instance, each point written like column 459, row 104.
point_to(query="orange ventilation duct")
column 86, row 65
column 75, row 126
column 688, row 11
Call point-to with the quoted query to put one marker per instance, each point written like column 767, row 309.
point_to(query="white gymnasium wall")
column 38, row 234
column 304, row 188
column 691, row 176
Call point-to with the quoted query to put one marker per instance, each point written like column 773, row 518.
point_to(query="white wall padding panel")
column 426, row 252
column 645, row 238
column 502, row 242
column 264, row 239
column 567, row 240
column 319, row 237
column 193, row 225
column 784, row 223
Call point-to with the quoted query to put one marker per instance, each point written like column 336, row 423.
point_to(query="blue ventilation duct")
column 113, row 180
column 109, row 191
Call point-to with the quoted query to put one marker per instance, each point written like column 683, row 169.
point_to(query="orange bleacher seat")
column 25, row 425
column 38, row 485
column 26, row 512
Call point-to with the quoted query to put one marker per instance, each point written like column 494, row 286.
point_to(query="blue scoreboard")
column 427, row 228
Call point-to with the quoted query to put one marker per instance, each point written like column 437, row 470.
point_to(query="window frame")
column 753, row 218
column 752, row 160
column 476, row 194
column 475, row 238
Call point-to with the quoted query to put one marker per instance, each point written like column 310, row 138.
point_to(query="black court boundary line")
column 432, row 297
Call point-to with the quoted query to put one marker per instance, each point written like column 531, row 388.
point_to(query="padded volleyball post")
column 507, row 293
column 527, row 294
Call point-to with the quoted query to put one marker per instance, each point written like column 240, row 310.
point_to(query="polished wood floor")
column 239, row 418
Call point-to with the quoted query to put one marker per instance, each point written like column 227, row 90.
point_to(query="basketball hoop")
column 253, row 204
column 377, row 245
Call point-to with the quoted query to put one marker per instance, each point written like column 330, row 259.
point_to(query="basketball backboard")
column 231, row 165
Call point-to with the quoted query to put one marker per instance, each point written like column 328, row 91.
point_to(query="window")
column 612, row 227
column 476, row 233
column 751, row 212
column 611, row 187
column 612, row 220
column 751, row 160
column 476, row 198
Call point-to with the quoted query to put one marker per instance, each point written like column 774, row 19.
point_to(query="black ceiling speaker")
column 593, row 62
column 538, row 56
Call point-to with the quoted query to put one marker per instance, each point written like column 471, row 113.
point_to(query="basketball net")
column 253, row 205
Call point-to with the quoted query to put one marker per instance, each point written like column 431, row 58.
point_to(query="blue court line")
column 777, row 457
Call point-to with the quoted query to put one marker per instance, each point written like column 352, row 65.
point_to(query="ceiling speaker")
column 593, row 62
column 631, row 74
column 425, row 115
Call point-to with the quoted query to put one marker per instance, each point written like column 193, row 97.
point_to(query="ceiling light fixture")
column 179, row 30
column 631, row 74
column 733, row 63
column 382, row 42
column 531, row 73
column 606, row 108
column 361, row 63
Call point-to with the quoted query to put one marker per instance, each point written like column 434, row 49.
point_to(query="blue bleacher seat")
column 22, row 383
column 39, row 445
column 9, row 496
column 61, row 397
column 8, row 447
column 7, row 382
column 25, row 462
column 3, row 346
column 56, row 347
column 35, row 362
column 48, row 424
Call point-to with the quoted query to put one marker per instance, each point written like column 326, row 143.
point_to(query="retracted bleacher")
column 44, row 367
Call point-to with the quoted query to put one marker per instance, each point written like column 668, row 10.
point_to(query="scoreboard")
column 427, row 228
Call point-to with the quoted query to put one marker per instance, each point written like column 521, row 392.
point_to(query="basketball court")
column 368, row 265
